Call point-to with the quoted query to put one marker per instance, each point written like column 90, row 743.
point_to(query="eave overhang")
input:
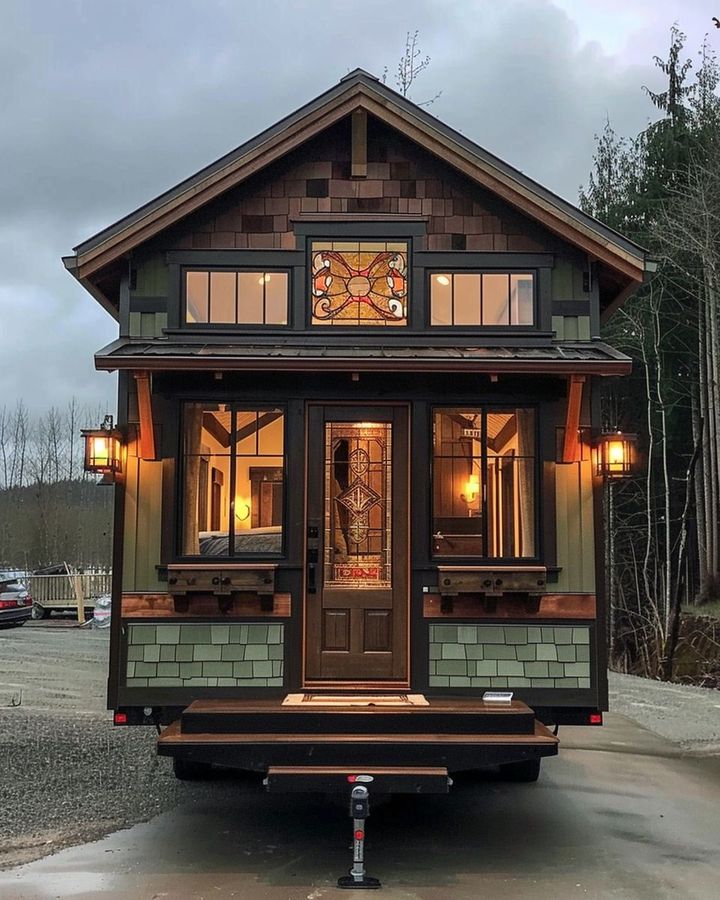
column 70, row 263
column 559, row 359
column 359, row 90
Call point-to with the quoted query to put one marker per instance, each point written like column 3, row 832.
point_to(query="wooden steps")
column 451, row 734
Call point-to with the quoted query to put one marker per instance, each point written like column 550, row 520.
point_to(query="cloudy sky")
column 106, row 104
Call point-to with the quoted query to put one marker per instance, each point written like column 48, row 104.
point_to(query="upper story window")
column 359, row 282
column 474, row 298
column 236, row 298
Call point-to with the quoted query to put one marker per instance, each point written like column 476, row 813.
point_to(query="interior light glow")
column 472, row 488
column 242, row 509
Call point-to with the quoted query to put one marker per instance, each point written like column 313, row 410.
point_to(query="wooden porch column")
column 571, row 444
column 147, row 431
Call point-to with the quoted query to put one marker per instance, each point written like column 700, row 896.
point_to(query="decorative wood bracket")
column 571, row 443
column 359, row 144
column 147, row 431
column 224, row 581
column 488, row 585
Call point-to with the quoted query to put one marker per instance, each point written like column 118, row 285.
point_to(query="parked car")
column 15, row 604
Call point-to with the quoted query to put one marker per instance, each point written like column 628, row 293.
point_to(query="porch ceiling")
column 564, row 358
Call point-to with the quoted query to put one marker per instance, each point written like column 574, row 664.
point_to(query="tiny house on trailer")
column 356, row 491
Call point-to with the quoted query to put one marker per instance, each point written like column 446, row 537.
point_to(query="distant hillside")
column 41, row 524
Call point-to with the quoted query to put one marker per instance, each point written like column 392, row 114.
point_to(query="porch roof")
column 595, row 358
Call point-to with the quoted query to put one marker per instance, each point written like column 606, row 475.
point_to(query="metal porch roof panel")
column 560, row 358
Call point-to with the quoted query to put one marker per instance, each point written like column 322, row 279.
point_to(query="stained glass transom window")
column 359, row 283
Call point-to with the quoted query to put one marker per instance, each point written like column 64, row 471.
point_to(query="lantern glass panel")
column 102, row 452
column 615, row 455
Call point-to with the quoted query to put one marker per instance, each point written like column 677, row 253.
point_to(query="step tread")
column 440, row 706
column 173, row 735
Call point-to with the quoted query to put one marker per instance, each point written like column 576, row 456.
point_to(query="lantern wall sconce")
column 615, row 454
column 103, row 448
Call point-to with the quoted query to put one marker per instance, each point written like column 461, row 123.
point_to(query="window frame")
column 431, row 271
column 413, row 318
column 485, row 408
column 237, row 270
column 235, row 406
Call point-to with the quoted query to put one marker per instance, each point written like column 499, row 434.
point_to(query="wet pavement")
column 621, row 813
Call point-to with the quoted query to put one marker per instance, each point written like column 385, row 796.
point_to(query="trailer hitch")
column 359, row 812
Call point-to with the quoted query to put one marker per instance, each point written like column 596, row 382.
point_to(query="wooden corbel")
column 147, row 431
column 571, row 442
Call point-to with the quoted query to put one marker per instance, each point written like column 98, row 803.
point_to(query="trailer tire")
column 526, row 771
column 39, row 612
column 188, row 770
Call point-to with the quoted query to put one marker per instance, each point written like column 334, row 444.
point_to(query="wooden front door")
column 357, row 544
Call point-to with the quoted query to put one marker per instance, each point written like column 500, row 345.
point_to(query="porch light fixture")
column 103, row 449
column 615, row 454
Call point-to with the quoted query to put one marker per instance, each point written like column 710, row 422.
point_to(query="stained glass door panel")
column 357, row 607
column 358, row 505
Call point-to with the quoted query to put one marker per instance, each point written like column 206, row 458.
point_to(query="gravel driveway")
column 68, row 776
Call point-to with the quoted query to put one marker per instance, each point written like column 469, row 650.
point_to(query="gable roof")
column 360, row 90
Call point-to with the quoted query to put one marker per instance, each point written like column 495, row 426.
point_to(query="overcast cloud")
column 106, row 104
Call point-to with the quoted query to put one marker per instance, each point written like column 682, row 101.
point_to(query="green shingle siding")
column 206, row 655
column 509, row 656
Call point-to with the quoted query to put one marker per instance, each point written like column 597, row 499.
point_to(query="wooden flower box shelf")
column 490, row 583
column 223, row 581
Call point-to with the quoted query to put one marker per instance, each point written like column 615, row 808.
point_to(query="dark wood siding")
column 402, row 179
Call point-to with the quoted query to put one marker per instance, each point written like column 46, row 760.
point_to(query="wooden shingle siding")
column 401, row 179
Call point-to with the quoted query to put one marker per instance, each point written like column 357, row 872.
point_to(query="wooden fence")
column 62, row 591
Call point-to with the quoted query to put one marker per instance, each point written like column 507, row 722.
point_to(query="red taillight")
column 352, row 779
column 120, row 718
column 595, row 718
column 8, row 604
